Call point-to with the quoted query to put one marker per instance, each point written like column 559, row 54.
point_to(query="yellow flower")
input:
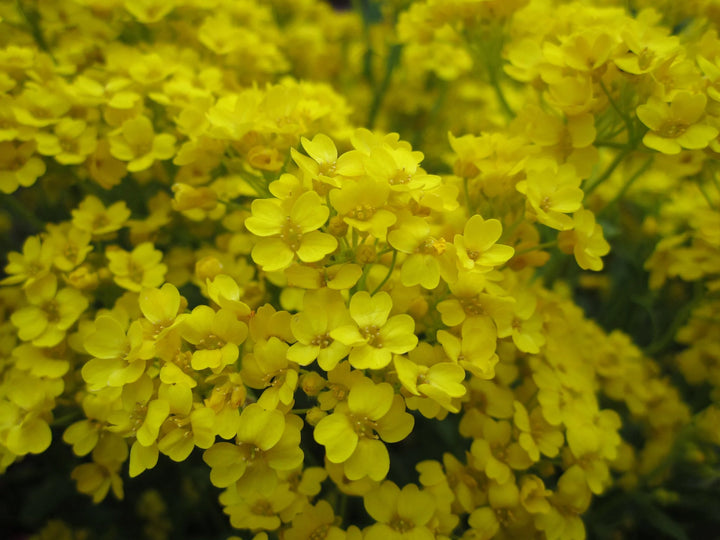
column 71, row 142
column 186, row 433
column 135, row 141
column 473, row 295
column 428, row 257
column 92, row 216
column 137, row 269
column 257, row 510
column 676, row 125
column 19, row 166
column 323, row 163
column 496, row 454
column 503, row 516
column 524, row 324
column 289, row 228
column 323, row 311
column 216, row 336
column 400, row 514
column 476, row 248
column 148, row 11
column 50, row 314
column 40, row 106
column 23, row 433
column 400, row 169
column 266, row 441
column 349, row 433
column 569, row 501
column 476, row 350
column 552, row 191
column 34, row 262
column 362, row 205
column 119, row 358
column 536, row 434
column 372, row 335
column 315, row 522
column 585, row 241
column 268, row 367
column 339, row 383
column 70, row 244
column 441, row 381
column 105, row 169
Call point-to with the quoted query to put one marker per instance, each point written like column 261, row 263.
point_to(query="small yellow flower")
column 400, row 514
column 676, row 125
column 119, row 357
column 373, row 335
column 267, row 441
column 476, row 248
column 428, row 257
column 441, row 382
column 362, row 205
column 92, row 216
column 289, row 228
column 349, row 433
column 216, row 336
column 323, row 311
column 34, row 262
column 71, row 142
column 476, row 350
column 19, row 166
column 585, row 241
column 137, row 269
column 552, row 192
column 135, row 141
column 50, row 313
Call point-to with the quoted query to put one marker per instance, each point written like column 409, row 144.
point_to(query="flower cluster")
column 234, row 262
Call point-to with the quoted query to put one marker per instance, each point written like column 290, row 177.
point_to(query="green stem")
column 625, row 118
column 682, row 316
column 705, row 194
column 491, row 56
column 544, row 245
column 637, row 174
column 605, row 175
column 392, row 60
column 387, row 276
column 32, row 18
column 715, row 182
column 360, row 7
column 22, row 212
column 495, row 82
column 468, row 202
column 610, row 144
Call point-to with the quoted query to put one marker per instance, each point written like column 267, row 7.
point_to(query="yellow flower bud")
column 208, row 268
column 312, row 383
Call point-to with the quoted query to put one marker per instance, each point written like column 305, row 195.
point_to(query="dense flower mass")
column 426, row 269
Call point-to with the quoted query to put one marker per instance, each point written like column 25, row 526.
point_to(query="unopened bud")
column 314, row 415
column 312, row 383
column 337, row 227
column 190, row 198
column 208, row 268
column 365, row 254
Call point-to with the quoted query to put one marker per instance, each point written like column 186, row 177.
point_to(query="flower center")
column 320, row 533
column 672, row 130
column 372, row 334
column 323, row 341
column 363, row 426
column 291, row 234
column 362, row 213
column 401, row 525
